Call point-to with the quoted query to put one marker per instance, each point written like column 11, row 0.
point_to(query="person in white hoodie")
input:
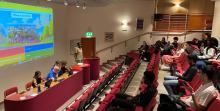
column 211, row 50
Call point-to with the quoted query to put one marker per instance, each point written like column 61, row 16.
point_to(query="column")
column 216, row 21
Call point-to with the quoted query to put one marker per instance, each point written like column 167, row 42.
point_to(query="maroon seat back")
column 10, row 91
column 196, row 82
column 214, row 106
column 28, row 86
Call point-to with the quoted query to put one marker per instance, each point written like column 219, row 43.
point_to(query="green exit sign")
column 89, row 34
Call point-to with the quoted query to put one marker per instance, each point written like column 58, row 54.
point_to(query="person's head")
column 37, row 74
column 163, row 39
column 63, row 63
column 195, row 41
column 56, row 69
column 206, row 35
column 212, row 42
column 158, row 44
column 206, row 73
column 78, row 45
column 149, row 77
column 57, row 63
column 144, row 43
column 192, row 58
column 175, row 39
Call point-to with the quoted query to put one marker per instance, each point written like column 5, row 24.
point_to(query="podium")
column 89, row 55
column 94, row 67
column 85, row 70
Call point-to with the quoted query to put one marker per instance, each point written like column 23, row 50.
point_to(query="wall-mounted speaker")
column 158, row 17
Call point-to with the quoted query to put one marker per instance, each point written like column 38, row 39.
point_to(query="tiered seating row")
column 121, row 82
column 152, row 66
column 93, row 92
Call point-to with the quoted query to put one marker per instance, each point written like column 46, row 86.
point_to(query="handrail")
column 109, row 47
column 160, row 33
column 155, row 33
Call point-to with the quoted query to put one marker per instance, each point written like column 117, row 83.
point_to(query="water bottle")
column 38, row 89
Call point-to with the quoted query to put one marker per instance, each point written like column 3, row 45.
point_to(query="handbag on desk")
column 48, row 83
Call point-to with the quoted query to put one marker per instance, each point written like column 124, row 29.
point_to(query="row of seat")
column 93, row 92
column 121, row 82
column 153, row 65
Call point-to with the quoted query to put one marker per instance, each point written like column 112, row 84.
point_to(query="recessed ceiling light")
column 65, row 3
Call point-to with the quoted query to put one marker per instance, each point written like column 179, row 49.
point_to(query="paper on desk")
column 34, row 94
column 80, row 64
column 74, row 72
column 22, row 98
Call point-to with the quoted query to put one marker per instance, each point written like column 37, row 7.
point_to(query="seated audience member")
column 172, row 81
column 143, row 50
column 168, row 59
column 53, row 73
column 64, row 68
column 167, row 49
column 57, row 63
column 210, row 51
column 163, row 42
column 157, row 47
column 52, row 76
column 37, row 79
column 200, row 98
column 195, row 41
column 125, row 101
column 205, row 37
column 175, row 41
column 191, row 48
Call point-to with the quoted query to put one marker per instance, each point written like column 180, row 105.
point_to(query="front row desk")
column 55, row 96
column 85, row 70
column 48, row 100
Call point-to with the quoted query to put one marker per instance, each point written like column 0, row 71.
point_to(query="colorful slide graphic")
column 26, row 32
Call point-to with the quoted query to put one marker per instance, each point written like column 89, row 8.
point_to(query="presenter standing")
column 78, row 53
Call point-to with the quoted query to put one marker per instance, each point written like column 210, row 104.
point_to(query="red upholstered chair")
column 214, row 106
column 10, row 91
column 28, row 86
column 151, row 105
column 102, row 106
column 75, row 105
column 108, row 98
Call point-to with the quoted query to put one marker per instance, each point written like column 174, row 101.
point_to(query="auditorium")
column 109, row 55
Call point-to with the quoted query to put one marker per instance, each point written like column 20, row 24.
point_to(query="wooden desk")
column 48, row 100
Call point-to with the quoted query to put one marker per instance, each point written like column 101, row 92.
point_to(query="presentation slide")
column 26, row 33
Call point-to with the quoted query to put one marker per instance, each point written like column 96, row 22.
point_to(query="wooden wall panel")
column 199, row 22
column 195, row 22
